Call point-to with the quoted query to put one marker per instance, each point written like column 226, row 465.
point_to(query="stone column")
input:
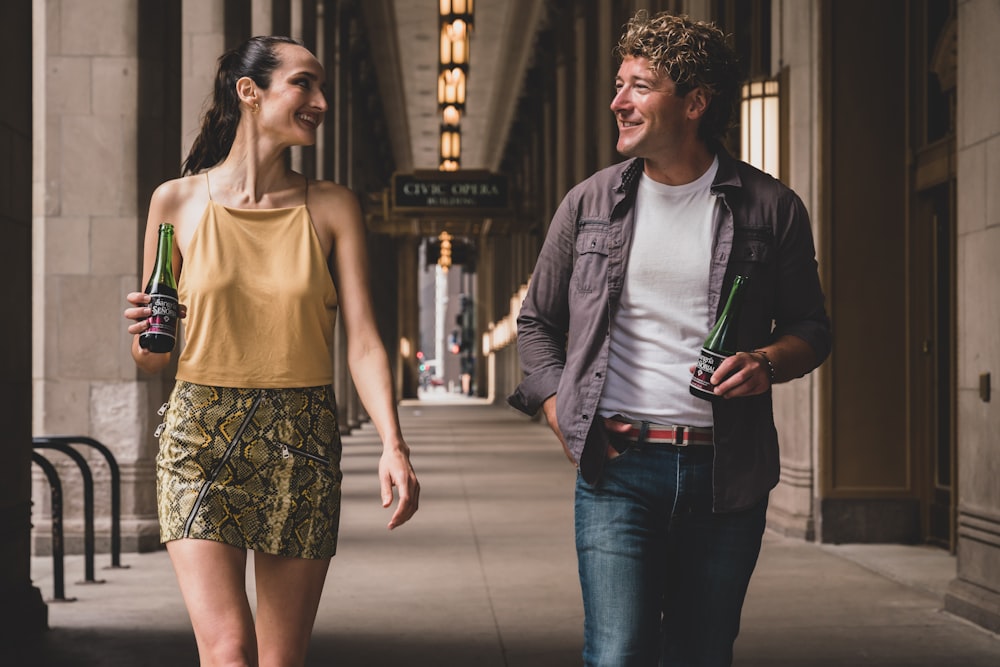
column 797, row 36
column 303, row 27
column 604, row 123
column 352, row 97
column 260, row 17
column 975, row 592
column 203, row 41
column 583, row 130
column 485, row 309
column 22, row 612
column 562, row 114
column 85, row 382
column 408, row 315
column 335, row 58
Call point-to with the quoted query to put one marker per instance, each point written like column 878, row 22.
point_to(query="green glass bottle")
column 721, row 341
column 162, row 289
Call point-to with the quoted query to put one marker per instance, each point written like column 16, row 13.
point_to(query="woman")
column 250, row 451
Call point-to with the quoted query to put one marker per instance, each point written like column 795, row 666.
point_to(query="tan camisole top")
column 260, row 301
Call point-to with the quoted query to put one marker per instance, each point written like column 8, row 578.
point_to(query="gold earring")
column 256, row 107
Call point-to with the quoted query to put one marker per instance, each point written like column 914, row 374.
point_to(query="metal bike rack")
column 88, row 502
column 55, row 488
column 116, row 502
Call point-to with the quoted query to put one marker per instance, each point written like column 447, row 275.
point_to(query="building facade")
column 885, row 126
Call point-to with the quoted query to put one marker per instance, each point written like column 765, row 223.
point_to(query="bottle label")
column 708, row 363
column 165, row 312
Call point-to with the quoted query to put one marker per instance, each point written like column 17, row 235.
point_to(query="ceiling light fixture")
column 455, row 18
column 451, row 88
column 451, row 143
column 444, row 256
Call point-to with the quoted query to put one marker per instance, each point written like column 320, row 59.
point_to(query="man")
column 672, row 490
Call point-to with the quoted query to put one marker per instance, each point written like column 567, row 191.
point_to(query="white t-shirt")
column 661, row 322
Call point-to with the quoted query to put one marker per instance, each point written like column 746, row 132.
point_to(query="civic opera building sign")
column 457, row 194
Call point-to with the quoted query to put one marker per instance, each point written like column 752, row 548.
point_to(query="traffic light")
column 420, row 361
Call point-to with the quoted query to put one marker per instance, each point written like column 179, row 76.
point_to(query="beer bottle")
column 721, row 342
column 162, row 289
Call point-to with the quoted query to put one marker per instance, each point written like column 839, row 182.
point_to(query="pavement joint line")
column 479, row 555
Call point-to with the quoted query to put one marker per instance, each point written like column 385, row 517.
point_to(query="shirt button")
column 585, row 417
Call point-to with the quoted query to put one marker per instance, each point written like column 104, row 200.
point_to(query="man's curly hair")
column 692, row 54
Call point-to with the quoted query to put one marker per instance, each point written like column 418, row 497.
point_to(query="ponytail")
column 255, row 58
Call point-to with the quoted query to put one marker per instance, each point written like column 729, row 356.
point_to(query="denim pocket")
column 620, row 444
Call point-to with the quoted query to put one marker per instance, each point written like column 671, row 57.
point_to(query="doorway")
column 934, row 35
column 933, row 386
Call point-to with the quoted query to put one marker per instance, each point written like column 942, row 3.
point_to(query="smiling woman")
column 249, row 455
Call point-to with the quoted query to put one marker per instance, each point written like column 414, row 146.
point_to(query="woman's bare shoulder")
column 179, row 191
column 333, row 204
column 330, row 193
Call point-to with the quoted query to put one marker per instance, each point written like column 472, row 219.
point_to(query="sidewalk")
column 485, row 575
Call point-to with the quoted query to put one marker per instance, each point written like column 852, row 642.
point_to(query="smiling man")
column 672, row 490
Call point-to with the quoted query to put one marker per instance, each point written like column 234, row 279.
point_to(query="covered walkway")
column 485, row 576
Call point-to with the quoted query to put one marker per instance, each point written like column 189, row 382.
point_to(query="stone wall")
column 87, row 230
column 975, row 593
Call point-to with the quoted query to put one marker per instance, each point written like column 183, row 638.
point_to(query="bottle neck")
column 723, row 334
column 735, row 299
column 163, row 269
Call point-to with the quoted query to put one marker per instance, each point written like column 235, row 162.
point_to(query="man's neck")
column 680, row 168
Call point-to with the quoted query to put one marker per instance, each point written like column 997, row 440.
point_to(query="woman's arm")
column 161, row 208
column 367, row 358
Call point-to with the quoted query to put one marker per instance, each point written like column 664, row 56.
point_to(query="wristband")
column 770, row 366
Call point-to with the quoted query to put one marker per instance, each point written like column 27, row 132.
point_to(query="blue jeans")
column 663, row 578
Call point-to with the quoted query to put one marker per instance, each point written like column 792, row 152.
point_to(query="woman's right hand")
column 139, row 312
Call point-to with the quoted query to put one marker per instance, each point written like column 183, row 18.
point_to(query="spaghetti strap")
column 306, row 202
column 208, row 185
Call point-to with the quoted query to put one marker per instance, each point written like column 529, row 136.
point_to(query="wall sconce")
column 760, row 125
column 449, row 165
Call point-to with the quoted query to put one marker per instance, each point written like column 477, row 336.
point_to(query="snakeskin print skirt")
column 254, row 468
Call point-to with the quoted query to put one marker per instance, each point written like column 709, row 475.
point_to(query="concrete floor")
column 485, row 575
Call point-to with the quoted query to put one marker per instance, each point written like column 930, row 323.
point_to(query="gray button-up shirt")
column 564, row 328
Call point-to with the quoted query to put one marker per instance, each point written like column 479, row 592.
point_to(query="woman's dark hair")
column 255, row 58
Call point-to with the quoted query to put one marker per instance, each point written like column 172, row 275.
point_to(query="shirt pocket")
column 752, row 250
column 591, row 266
